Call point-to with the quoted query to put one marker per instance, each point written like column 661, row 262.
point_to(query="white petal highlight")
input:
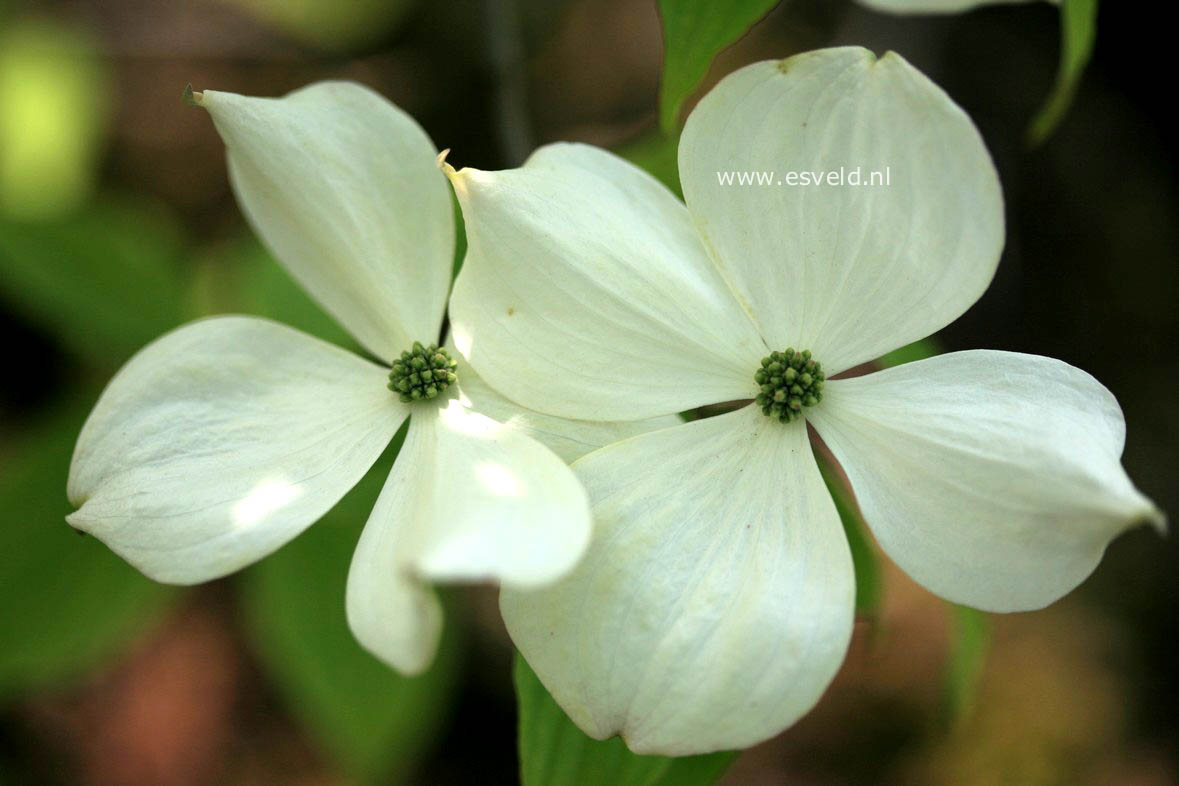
column 468, row 500
column 849, row 272
column 570, row 439
column 586, row 292
column 936, row 6
column 992, row 478
column 344, row 189
column 221, row 441
column 715, row 603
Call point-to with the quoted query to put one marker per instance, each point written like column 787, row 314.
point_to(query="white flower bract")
column 715, row 602
column 937, row 6
column 226, row 438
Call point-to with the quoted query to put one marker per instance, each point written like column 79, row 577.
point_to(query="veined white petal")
column 468, row 500
column 715, row 603
column 937, row 6
column 221, row 441
column 586, row 292
column 345, row 190
column 992, row 478
column 570, row 439
column 848, row 272
column 393, row 612
column 497, row 505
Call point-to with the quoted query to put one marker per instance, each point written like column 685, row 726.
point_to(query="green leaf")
column 329, row 25
column 68, row 604
column 865, row 560
column 918, row 350
column 554, row 752
column 693, row 34
column 970, row 636
column 105, row 281
column 658, row 154
column 266, row 289
column 1078, row 33
column 373, row 722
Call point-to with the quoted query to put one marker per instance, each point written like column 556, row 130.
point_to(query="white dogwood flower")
column 715, row 603
column 224, row 439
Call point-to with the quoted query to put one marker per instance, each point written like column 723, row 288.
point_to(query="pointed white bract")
column 848, row 272
column 343, row 187
column 693, row 624
column 469, row 499
column 993, row 478
column 601, row 287
column 221, row 441
column 714, row 604
column 394, row 613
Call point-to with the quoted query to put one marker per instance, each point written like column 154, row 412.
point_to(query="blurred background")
column 117, row 223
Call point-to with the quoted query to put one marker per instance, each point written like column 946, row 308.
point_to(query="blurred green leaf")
column 970, row 636
column 68, row 603
column 658, row 154
column 375, row 723
column 554, row 752
column 869, row 584
column 693, row 34
column 105, row 281
column 328, row 24
column 1078, row 33
column 53, row 110
column 266, row 289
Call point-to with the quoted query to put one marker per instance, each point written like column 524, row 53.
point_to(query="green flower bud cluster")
column 422, row 373
column 788, row 382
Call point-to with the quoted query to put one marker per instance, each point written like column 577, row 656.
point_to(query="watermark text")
column 844, row 176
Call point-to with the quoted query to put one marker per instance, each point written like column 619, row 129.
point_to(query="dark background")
column 116, row 223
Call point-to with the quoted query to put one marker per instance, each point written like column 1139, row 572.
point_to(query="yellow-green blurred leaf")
column 53, row 111
column 328, row 24
column 68, row 603
column 1078, row 33
column 693, row 33
column 554, row 752
column 375, row 723
column 104, row 281
column 970, row 636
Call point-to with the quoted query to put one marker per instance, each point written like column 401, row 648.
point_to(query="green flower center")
column 788, row 382
column 422, row 373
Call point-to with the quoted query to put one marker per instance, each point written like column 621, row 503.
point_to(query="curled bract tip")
column 446, row 168
column 191, row 97
column 1156, row 518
